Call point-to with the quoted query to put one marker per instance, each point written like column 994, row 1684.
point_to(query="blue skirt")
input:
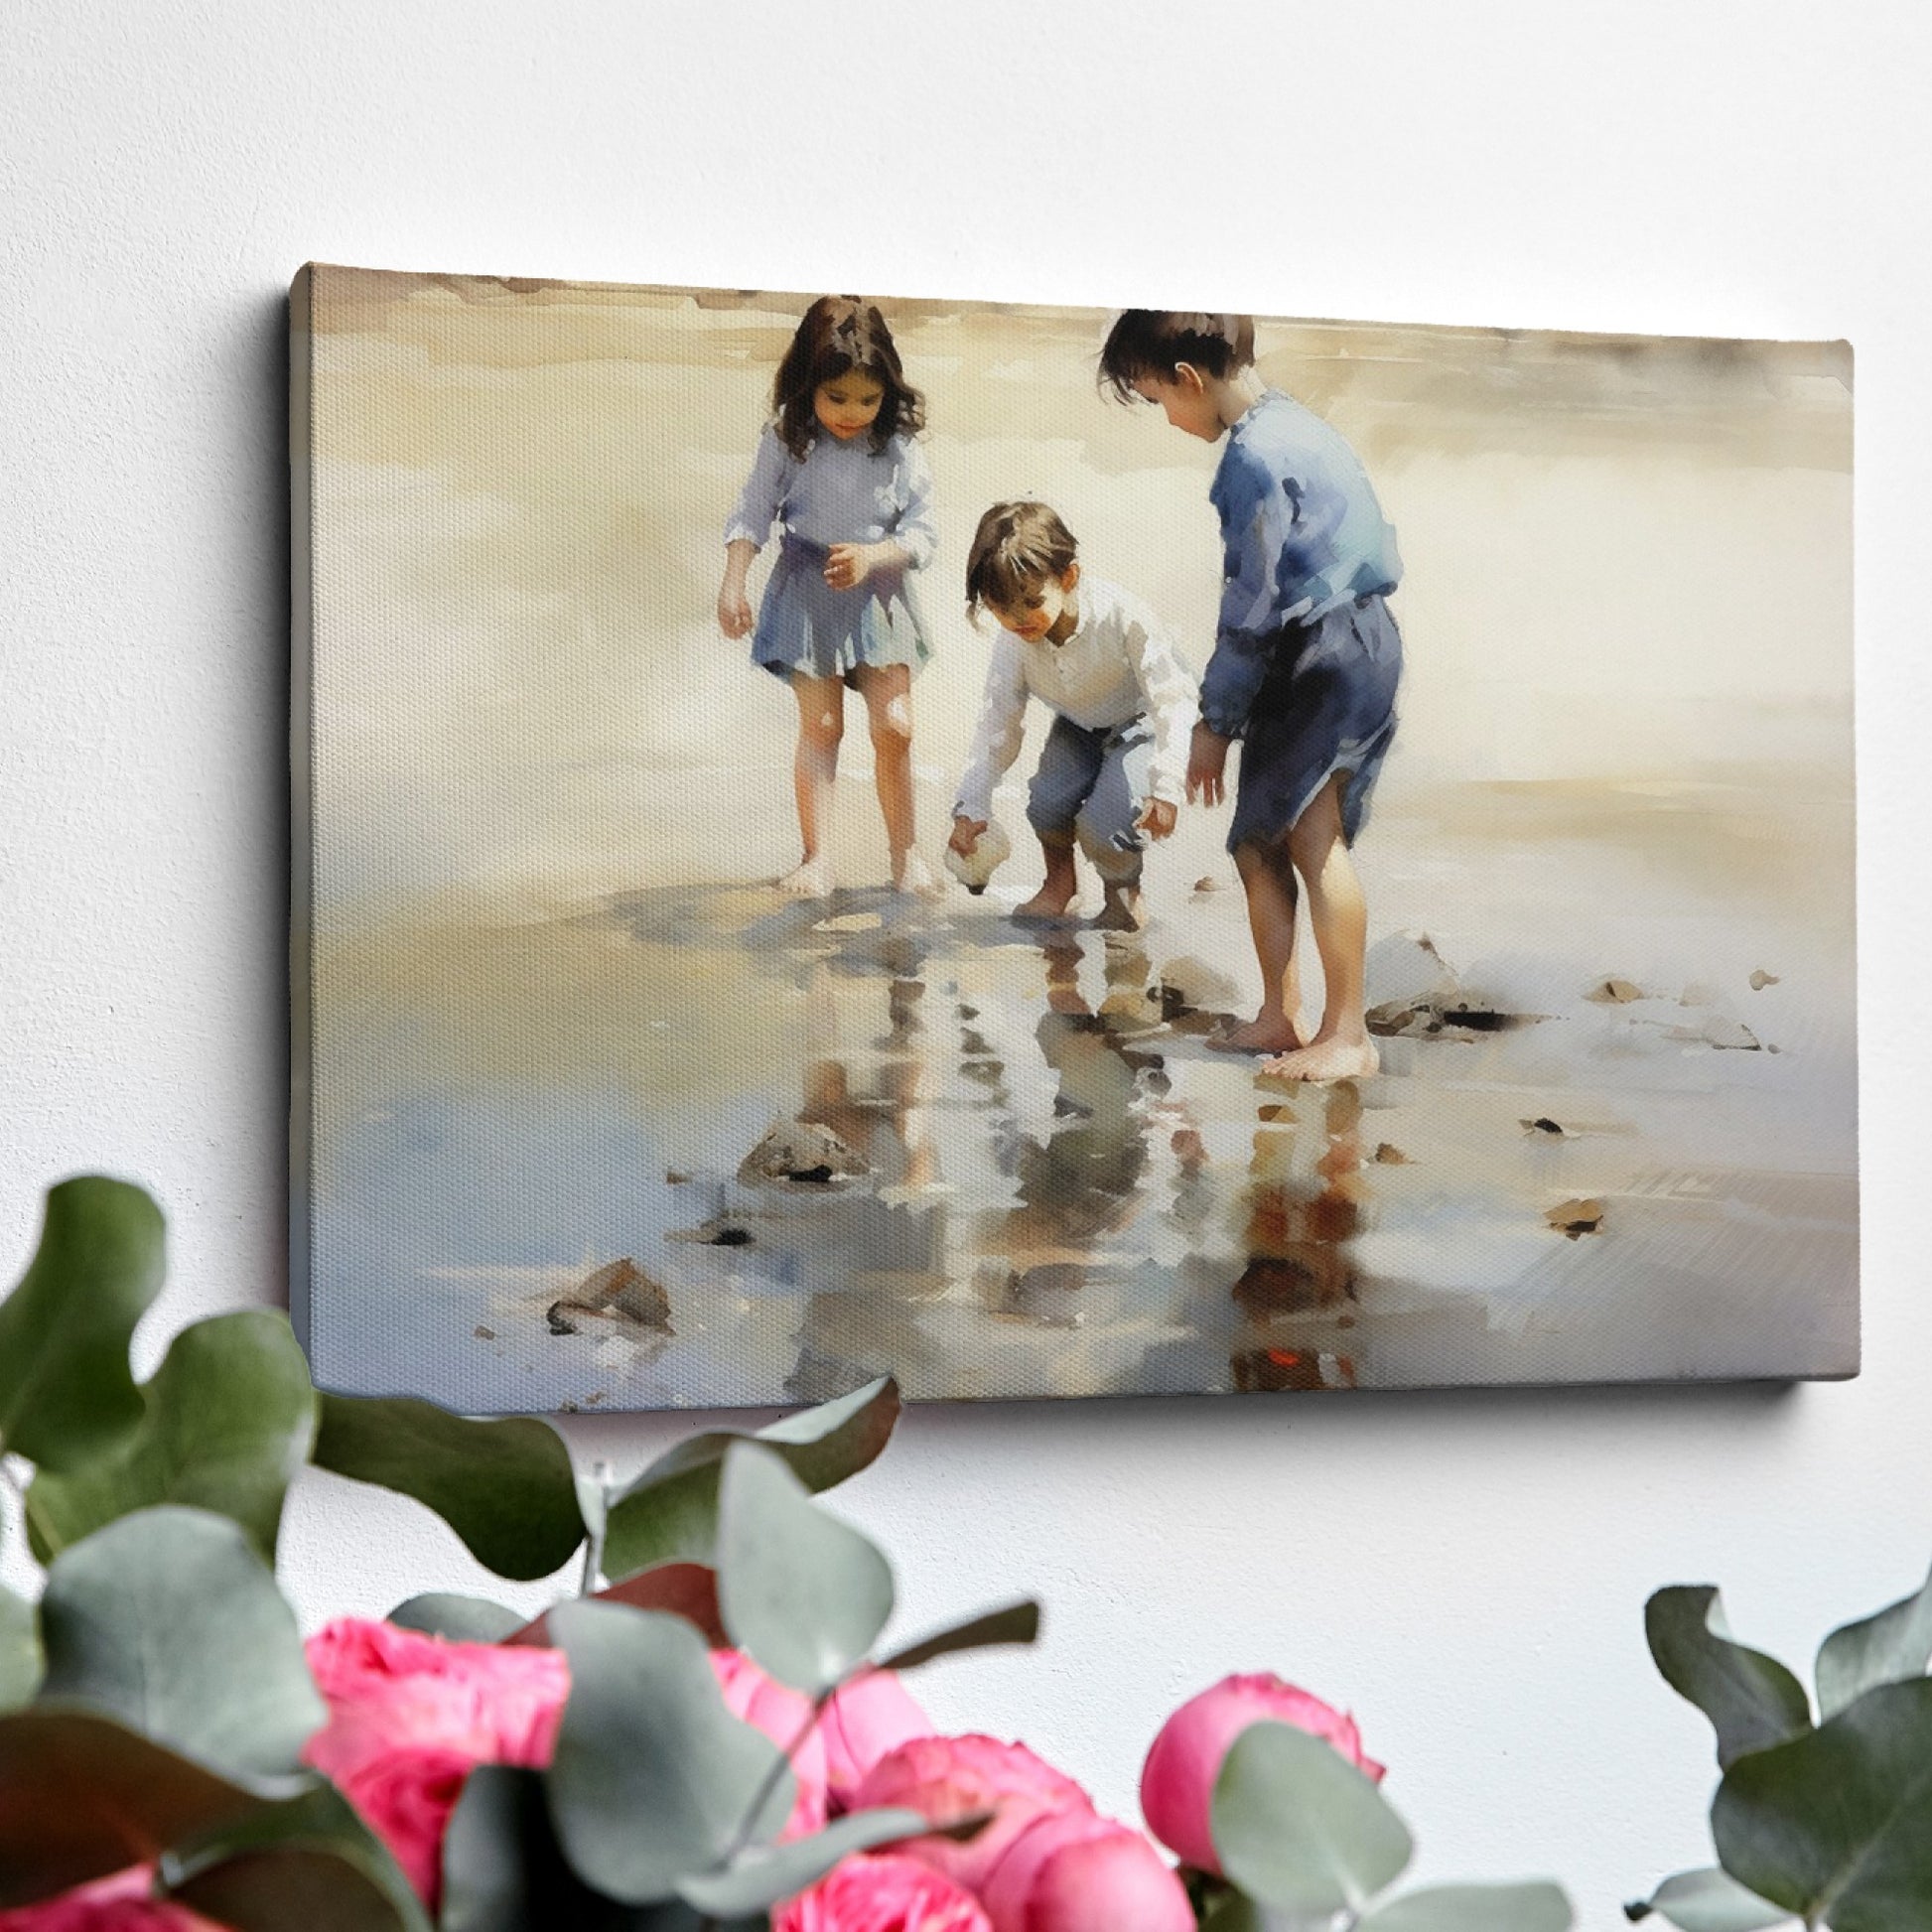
column 805, row 626
column 1325, row 706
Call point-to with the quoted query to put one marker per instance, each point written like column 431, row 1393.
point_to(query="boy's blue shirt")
column 1301, row 533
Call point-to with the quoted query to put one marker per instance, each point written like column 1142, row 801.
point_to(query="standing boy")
column 1307, row 660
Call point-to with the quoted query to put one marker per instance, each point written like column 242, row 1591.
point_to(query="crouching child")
column 1113, row 771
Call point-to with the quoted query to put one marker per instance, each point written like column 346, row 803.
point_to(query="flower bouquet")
column 708, row 1735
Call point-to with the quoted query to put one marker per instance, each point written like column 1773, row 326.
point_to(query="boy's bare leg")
column 1062, row 882
column 1341, row 1048
column 1268, row 879
column 1122, row 909
column 887, row 692
column 815, row 772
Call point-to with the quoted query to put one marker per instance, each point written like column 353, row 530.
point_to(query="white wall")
column 1467, row 1571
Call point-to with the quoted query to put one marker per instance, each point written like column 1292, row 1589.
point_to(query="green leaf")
column 504, row 1487
column 226, row 1424
column 462, row 1619
column 686, row 1589
column 1892, row 1646
column 81, row 1796
column 670, row 1514
column 1015, row 1624
column 1234, row 1911
column 310, row 1862
column 1299, row 1828
column 66, row 1394
column 504, row 1871
column 803, row 1594
column 1533, row 1905
column 20, row 1649
column 1836, row 1825
column 762, row 1875
column 168, row 1621
column 1709, row 1900
column 653, row 1778
column 1751, row 1700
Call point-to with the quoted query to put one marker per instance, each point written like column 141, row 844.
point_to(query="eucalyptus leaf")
column 686, row 1589
column 168, row 1621
column 81, row 1796
column 66, row 1394
column 760, row 1875
column 1751, row 1700
column 1299, row 1828
column 310, row 1862
column 226, row 1426
column 462, row 1619
column 20, row 1649
column 506, row 1488
column 802, row 1593
column 1533, row 1905
column 1012, row 1624
column 1894, row 1645
column 1234, row 1911
column 1835, row 1826
column 670, row 1513
column 653, row 1779
column 1709, row 1900
column 504, row 1871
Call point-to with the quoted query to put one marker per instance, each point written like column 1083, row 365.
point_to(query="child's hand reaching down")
column 1158, row 820
column 966, row 835
column 848, row 565
column 1207, row 759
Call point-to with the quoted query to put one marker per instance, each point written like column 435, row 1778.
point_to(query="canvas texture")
column 648, row 1054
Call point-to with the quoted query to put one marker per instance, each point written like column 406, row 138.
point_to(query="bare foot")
column 1265, row 1035
column 913, row 877
column 1327, row 1059
column 1122, row 910
column 809, row 879
column 1048, row 904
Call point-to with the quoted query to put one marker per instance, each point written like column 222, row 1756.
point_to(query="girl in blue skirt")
column 839, row 472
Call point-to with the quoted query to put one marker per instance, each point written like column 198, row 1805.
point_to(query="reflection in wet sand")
column 862, row 1136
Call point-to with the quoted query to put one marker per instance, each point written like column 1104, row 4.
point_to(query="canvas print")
column 1061, row 853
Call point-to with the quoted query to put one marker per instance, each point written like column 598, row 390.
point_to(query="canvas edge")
column 302, row 296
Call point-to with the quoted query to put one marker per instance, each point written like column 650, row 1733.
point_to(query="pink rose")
column 409, row 1714
column 781, row 1714
column 1177, row 1781
column 948, row 1778
column 881, row 1892
column 861, row 1723
column 405, row 1797
column 1071, row 1873
column 388, row 1687
column 122, row 1903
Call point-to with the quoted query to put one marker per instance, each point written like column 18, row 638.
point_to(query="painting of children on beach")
column 1057, row 852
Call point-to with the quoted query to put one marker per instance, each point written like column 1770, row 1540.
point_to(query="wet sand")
column 1060, row 1191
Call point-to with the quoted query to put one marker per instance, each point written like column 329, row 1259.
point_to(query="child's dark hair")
column 1016, row 549
column 1155, row 343
column 840, row 333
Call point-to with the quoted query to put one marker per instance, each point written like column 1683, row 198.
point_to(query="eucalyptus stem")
column 600, row 1474
column 11, row 1482
column 770, row 1783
